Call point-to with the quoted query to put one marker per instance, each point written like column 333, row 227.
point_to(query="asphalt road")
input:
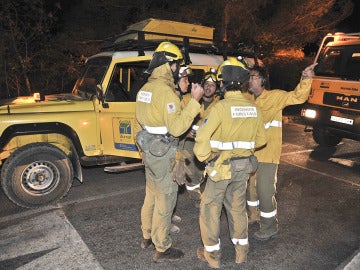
column 97, row 226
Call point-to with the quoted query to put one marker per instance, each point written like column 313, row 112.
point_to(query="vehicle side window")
column 137, row 79
column 124, row 84
column 329, row 63
column 116, row 90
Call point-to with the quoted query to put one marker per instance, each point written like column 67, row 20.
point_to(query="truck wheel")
column 36, row 174
column 325, row 138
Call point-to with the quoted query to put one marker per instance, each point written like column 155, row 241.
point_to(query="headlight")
column 308, row 113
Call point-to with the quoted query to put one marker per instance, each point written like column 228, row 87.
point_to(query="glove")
column 180, row 170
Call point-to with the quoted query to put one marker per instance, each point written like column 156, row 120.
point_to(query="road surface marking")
column 344, row 162
column 297, row 152
column 324, row 174
column 49, row 240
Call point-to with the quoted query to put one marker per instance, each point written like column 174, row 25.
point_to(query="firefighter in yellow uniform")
column 271, row 103
column 210, row 98
column 159, row 113
column 226, row 141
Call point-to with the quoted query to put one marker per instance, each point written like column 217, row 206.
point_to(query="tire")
column 325, row 138
column 36, row 174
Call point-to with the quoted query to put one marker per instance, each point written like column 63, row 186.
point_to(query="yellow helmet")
column 172, row 52
column 232, row 70
column 166, row 52
column 209, row 76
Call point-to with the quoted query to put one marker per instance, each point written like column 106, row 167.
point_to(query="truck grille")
column 343, row 101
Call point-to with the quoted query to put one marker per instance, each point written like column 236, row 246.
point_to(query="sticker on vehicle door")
column 123, row 135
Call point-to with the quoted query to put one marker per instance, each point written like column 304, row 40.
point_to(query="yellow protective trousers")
column 265, row 180
column 232, row 194
column 160, row 199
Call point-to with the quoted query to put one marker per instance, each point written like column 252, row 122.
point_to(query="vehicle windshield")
column 341, row 61
column 92, row 75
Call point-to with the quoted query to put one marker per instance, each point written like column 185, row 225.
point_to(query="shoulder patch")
column 171, row 108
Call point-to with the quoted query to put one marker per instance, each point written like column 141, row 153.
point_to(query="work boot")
column 171, row 254
column 174, row 229
column 264, row 236
column 145, row 243
column 211, row 258
column 241, row 253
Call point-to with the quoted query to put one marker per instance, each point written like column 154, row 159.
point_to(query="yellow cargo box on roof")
column 163, row 29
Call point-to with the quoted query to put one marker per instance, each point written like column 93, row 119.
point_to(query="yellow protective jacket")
column 157, row 105
column 233, row 128
column 203, row 112
column 271, row 103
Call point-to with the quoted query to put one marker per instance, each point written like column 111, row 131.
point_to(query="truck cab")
column 332, row 111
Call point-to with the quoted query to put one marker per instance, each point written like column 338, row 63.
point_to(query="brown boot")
column 212, row 258
column 171, row 254
column 241, row 253
column 145, row 243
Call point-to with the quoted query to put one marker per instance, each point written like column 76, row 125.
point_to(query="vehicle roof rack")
column 147, row 34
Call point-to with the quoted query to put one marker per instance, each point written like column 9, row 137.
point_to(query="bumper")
column 343, row 124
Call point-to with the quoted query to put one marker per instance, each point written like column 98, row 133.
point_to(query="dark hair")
column 263, row 73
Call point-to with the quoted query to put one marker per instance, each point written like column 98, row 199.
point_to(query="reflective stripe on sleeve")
column 232, row 145
column 253, row 203
column 273, row 123
column 193, row 187
column 156, row 130
column 212, row 248
column 195, row 127
column 268, row 214
column 241, row 242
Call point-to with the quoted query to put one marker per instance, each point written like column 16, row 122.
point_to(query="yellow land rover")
column 45, row 141
column 333, row 107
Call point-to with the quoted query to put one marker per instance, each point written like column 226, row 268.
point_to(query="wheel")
column 36, row 174
column 325, row 138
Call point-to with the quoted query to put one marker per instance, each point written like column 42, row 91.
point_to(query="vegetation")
column 44, row 43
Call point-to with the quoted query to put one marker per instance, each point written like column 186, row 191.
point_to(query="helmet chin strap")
column 176, row 72
column 222, row 90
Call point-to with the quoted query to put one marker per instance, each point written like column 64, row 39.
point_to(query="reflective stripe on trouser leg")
column 191, row 188
column 235, row 205
column 213, row 247
column 210, row 212
column 252, row 204
column 266, row 178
